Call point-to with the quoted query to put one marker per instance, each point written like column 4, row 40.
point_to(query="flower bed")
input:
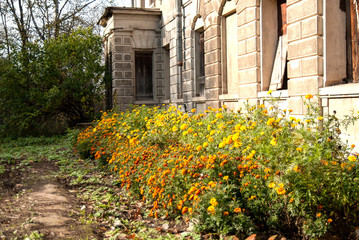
column 233, row 172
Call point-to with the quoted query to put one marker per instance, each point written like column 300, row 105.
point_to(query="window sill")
column 146, row 102
column 229, row 97
column 278, row 93
column 349, row 89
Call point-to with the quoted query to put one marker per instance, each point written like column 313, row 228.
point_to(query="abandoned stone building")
column 201, row 53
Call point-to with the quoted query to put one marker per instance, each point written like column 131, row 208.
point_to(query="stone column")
column 212, row 49
column 248, row 49
column 305, row 50
column 122, row 84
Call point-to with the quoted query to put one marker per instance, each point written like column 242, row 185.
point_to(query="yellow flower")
column 193, row 110
column 212, row 184
column 308, row 96
column 211, row 209
column 210, row 139
column 296, row 169
column 320, row 118
column 273, row 142
column 269, row 92
column 291, row 200
column 214, row 202
column 184, row 126
column 225, row 178
column 205, row 144
column 174, row 129
column 280, row 189
column 352, row 158
column 271, row 185
column 299, row 149
column 270, row 121
column 199, row 148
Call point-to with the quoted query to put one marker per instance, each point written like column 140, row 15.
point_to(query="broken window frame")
column 279, row 77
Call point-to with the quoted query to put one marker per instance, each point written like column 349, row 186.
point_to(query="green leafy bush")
column 255, row 170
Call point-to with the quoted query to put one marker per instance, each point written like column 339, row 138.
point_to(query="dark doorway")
column 143, row 72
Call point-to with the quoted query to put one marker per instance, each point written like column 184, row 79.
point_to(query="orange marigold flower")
column 352, row 146
column 329, row 220
column 199, row 148
column 226, row 213
column 225, row 178
column 308, row 96
column 237, row 210
column 319, row 214
column 193, row 110
column 184, row 210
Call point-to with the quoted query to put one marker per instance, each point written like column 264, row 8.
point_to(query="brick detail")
column 306, row 47
column 303, row 86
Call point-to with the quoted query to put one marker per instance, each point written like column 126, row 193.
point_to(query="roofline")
column 126, row 10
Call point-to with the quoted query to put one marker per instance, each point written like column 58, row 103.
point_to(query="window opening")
column 230, row 60
column 279, row 78
column 167, row 76
column 199, row 63
column 108, row 78
column 143, row 71
column 351, row 9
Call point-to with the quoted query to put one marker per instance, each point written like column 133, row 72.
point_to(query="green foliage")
column 50, row 84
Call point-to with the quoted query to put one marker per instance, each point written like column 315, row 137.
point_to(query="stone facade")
column 245, row 44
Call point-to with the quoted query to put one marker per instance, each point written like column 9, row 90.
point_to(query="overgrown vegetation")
column 46, row 86
column 259, row 170
column 104, row 209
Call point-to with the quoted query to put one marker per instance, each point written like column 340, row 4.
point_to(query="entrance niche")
column 274, row 44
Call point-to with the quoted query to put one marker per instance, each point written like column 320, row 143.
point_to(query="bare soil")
column 32, row 199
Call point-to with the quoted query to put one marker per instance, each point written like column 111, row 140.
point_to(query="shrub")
column 259, row 169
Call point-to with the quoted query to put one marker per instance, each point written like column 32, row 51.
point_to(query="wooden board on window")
column 280, row 63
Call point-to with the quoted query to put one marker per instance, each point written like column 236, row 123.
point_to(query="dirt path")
column 34, row 205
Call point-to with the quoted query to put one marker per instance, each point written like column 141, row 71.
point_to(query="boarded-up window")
column 231, row 54
column 144, row 84
column 199, row 62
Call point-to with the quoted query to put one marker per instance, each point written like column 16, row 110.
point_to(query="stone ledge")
column 350, row 89
column 280, row 94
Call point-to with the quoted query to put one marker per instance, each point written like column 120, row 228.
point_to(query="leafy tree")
column 60, row 78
